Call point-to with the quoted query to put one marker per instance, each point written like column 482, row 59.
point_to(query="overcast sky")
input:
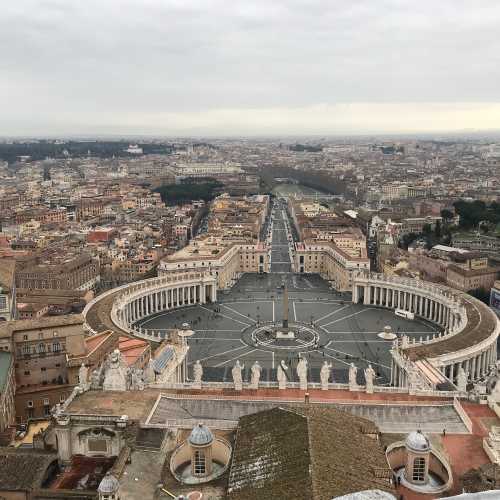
column 183, row 67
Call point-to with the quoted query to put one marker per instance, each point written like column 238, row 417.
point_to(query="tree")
column 437, row 229
column 407, row 239
column 447, row 215
column 427, row 229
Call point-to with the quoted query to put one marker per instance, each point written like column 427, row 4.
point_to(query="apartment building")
column 41, row 348
column 330, row 261
column 225, row 257
column 7, row 290
column 7, row 390
column 60, row 269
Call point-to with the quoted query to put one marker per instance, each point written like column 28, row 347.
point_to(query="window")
column 419, row 469
column 199, row 462
column 29, row 404
column 56, row 347
column 3, row 302
column 43, row 369
column 46, row 401
column 25, row 337
column 26, row 372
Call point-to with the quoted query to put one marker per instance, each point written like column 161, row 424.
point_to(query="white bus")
column 404, row 314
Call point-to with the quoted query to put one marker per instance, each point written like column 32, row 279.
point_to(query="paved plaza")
column 346, row 332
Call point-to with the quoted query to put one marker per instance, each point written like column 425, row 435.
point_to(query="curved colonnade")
column 128, row 304
column 468, row 336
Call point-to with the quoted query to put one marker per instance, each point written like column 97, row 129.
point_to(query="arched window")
column 199, row 462
column 419, row 469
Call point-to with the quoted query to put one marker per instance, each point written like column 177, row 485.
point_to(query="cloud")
column 204, row 64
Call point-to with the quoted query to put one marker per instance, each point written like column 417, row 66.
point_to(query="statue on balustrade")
column 369, row 377
column 256, row 370
column 116, row 374
column 281, row 375
column 149, row 372
column 137, row 379
column 462, row 377
column 83, row 377
column 197, row 374
column 95, row 380
column 237, row 377
column 353, row 373
column 324, row 375
column 302, row 373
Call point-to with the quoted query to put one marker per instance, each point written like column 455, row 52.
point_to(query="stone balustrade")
column 129, row 304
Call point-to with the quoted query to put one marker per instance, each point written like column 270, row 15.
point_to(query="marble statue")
column 237, row 377
column 137, row 382
column 324, row 375
column 197, row 373
column 95, row 380
column 369, row 377
column 302, row 373
column 281, row 375
column 116, row 374
column 353, row 383
column 83, row 376
column 462, row 377
column 149, row 372
column 256, row 369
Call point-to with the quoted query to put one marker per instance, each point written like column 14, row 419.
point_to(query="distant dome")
column 201, row 435
column 417, row 441
column 109, row 484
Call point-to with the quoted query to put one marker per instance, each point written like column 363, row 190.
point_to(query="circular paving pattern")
column 301, row 337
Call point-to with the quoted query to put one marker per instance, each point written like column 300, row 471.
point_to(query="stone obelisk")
column 285, row 309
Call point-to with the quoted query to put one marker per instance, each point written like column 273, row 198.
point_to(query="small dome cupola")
column 201, row 435
column 416, row 441
column 109, row 487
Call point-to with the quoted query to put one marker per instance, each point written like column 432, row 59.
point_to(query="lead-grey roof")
column 201, row 435
column 5, row 362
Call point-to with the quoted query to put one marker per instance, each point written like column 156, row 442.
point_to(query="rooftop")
column 23, row 469
column 306, row 452
column 7, row 273
column 5, row 362
column 7, row 329
column 481, row 323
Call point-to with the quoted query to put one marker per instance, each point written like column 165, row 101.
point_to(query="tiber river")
column 291, row 189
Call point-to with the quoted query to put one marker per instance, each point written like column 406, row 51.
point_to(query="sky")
column 252, row 67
